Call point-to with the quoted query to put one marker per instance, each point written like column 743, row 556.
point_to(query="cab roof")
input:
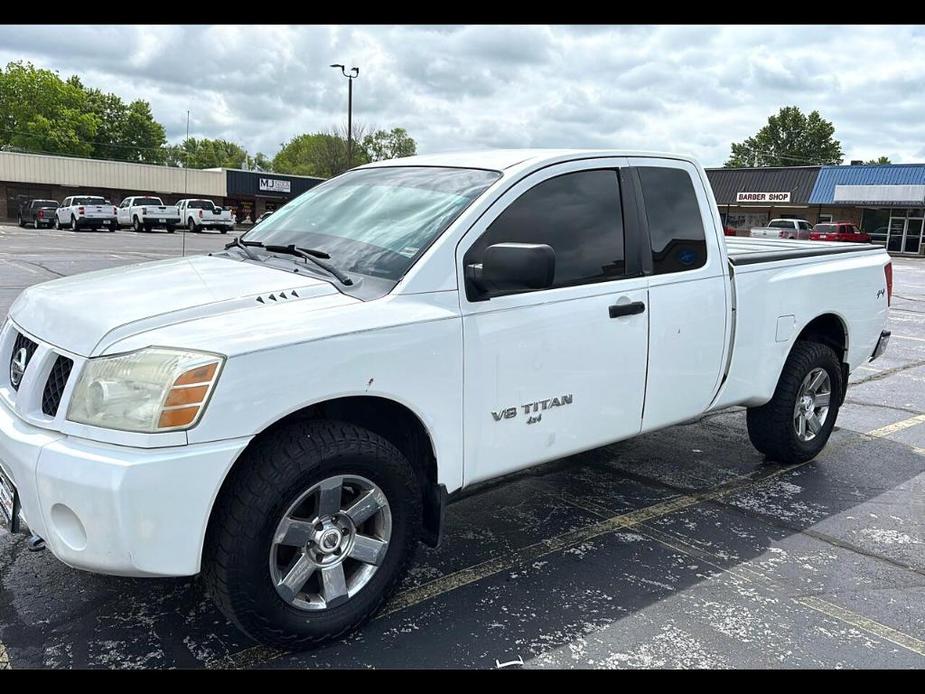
column 501, row 159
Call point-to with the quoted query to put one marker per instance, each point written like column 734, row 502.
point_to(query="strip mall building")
column 886, row 200
column 248, row 193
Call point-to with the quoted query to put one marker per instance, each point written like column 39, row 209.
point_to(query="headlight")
column 150, row 390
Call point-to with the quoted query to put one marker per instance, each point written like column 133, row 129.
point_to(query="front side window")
column 375, row 221
column 578, row 214
column 673, row 215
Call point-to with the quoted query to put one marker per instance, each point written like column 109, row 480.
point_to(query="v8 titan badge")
column 533, row 410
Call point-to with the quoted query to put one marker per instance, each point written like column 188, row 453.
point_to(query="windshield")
column 375, row 221
column 148, row 201
column 88, row 200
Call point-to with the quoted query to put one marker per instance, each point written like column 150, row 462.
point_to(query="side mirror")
column 512, row 267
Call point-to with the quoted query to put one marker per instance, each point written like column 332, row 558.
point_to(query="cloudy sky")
column 690, row 89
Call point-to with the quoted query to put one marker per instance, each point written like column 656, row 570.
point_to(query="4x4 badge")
column 18, row 366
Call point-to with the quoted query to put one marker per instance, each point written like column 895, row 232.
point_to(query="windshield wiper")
column 312, row 255
column 243, row 245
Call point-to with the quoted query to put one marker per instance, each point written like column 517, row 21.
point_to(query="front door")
column 559, row 370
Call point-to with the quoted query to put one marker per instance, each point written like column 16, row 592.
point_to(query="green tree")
column 789, row 138
column 40, row 112
column 321, row 154
column 206, row 153
column 879, row 160
column 390, row 144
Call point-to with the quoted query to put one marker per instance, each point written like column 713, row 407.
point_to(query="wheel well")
column 398, row 425
column 827, row 329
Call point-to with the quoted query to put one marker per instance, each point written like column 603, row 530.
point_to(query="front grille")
column 54, row 387
column 22, row 342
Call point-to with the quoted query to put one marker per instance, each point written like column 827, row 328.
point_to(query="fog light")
column 68, row 528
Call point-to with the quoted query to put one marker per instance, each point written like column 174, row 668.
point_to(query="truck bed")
column 743, row 250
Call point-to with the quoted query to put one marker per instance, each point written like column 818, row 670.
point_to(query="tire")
column 136, row 225
column 57, row 223
column 260, row 492
column 73, row 226
column 192, row 225
column 773, row 427
column 224, row 231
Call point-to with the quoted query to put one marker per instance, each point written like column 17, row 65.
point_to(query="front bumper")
column 115, row 509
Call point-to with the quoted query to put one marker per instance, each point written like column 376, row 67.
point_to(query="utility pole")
column 186, row 178
column 352, row 75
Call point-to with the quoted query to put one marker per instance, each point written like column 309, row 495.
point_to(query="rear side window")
column 675, row 225
column 578, row 214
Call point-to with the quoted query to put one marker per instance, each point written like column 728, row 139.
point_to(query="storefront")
column 753, row 197
column 886, row 201
column 251, row 193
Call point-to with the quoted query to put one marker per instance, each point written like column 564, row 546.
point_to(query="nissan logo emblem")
column 18, row 366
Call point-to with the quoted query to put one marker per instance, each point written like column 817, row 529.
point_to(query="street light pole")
column 352, row 75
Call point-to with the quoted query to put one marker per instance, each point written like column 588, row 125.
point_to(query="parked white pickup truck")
column 147, row 213
column 197, row 215
column 85, row 212
column 292, row 414
column 783, row 229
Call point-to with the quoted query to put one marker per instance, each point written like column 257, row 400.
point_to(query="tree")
column 390, row 144
column 321, row 154
column 40, row 112
column 206, row 153
column 879, row 160
column 790, row 138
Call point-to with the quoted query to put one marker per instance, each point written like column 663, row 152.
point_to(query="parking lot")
column 681, row 548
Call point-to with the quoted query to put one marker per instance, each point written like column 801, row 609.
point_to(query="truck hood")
column 85, row 313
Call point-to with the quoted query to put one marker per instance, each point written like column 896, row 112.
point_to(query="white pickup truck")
column 292, row 415
column 197, row 214
column 145, row 213
column 783, row 229
column 85, row 212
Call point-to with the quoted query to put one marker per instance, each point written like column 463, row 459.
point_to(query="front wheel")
column 191, row 225
column 136, row 225
column 796, row 423
column 73, row 226
column 312, row 532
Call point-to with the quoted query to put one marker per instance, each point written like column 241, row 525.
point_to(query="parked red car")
column 838, row 231
column 729, row 231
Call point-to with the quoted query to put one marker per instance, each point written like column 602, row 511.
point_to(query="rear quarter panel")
column 791, row 294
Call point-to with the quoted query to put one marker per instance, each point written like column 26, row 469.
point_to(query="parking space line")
column 845, row 615
column 907, row 337
column 883, row 432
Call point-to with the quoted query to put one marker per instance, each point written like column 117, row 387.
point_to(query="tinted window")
column 675, row 224
column 43, row 203
column 578, row 214
column 805, row 225
column 200, row 204
column 88, row 200
column 148, row 201
column 780, row 224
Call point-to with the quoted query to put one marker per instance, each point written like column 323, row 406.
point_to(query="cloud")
column 694, row 89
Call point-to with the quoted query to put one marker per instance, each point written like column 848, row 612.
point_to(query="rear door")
column 559, row 370
column 688, row 302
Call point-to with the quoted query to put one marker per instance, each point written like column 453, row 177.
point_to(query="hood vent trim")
column 276, row 297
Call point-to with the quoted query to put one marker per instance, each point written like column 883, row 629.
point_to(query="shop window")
column 824, row 218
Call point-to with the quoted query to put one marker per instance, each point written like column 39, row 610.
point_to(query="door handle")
column 630, row 309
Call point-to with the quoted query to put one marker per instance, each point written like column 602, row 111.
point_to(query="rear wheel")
column 192, row 225
column 171, row 228
column 73, row 226
column 312, row 532
column 796, row 423
column 136, row 224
